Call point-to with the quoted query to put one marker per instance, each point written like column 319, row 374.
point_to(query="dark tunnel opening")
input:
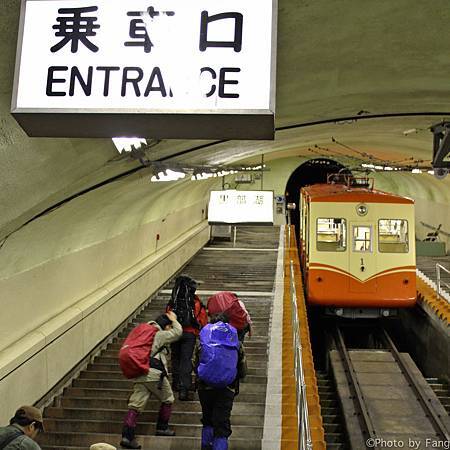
column 310, row 172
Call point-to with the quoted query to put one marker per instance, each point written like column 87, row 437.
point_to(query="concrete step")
column 254, row 368
column 258, row 397
column 178, row 417
column 127, row 385
column 252, row 360
column 239, row 407
column 143, row 428
column 117, row 375
column 79, row 441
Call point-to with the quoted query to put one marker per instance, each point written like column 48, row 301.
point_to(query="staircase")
column 442, row 391
column 335, row 434
column 91, row 410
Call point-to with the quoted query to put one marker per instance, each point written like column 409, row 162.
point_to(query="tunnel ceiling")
column 337, row 62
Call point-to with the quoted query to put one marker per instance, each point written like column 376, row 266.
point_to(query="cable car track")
column 384, row 395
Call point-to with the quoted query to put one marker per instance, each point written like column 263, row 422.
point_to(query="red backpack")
column 134, row 356
column 228, row 303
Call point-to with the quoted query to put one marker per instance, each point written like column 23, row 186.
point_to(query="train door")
column 362, row 255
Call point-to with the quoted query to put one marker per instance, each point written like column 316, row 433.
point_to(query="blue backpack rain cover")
column 218, row 355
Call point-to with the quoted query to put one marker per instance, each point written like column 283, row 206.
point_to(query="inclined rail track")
column 431, row 424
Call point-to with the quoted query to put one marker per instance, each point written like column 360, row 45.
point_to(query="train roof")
column 345, row 193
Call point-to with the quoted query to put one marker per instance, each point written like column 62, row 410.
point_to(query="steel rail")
column 420, row 394
column 368, row 428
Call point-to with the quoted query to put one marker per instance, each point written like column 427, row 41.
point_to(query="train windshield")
column 393, row 236
column 331, row 234
column 362, row 238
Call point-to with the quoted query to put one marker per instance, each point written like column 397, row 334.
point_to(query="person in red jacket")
column 192, row 315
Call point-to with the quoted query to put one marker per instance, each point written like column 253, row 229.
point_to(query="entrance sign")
column 232, row 207
column 149, row 68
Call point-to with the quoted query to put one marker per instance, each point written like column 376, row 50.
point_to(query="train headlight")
column 362, row 210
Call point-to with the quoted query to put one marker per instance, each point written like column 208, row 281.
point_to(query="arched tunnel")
column 88, row 233
column 313, row 171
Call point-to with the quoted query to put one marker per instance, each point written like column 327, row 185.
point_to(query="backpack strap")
column 156, row 363
column 13, row 437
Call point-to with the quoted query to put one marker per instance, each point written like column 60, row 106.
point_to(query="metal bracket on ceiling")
column 441, row 149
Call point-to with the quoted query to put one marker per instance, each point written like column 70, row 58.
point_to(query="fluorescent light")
column 416, row 171
column 125, row 144
column 431, row 172
column 388, row 168
column 378, row 167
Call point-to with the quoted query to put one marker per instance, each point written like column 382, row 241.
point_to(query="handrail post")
column 438, row 276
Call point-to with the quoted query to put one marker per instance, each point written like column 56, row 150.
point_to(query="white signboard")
column 195, row 58
column 240, row 207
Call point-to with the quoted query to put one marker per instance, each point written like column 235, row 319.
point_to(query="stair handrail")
column 304, row 431
column 440, row 282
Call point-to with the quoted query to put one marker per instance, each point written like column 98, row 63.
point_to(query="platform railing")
column 441, row 285
column 304, row 432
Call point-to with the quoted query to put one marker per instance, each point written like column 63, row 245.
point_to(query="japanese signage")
column 240, row 207
column 162, row 68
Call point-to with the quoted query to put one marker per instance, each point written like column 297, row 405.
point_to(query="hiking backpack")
column 134, row 356
column 219, row 351
column 228, row 303
column 182, row 301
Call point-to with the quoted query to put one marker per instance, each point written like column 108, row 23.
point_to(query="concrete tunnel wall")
column 70, row 277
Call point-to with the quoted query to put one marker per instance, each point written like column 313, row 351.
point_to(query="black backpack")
column 182, row 301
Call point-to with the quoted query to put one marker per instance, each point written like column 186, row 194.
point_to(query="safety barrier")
column 302, row 426
column 441, row 283
column 304, row 432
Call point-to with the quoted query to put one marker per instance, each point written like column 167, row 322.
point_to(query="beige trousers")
column 142, row 391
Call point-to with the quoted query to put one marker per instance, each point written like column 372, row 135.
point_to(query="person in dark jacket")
column 182, row 350
column 22, row 430
column 217, row 403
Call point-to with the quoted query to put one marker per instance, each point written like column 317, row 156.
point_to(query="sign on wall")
column 162, row 68
column 233, row 207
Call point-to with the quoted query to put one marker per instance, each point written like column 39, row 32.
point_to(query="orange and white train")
column 357, row 248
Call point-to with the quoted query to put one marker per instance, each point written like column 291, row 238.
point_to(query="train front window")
column 362, row 238
column 393, row 236
column 331, row 234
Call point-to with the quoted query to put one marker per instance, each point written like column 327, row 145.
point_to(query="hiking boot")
column 128, row 439
column 166, row 432
column 126, row 443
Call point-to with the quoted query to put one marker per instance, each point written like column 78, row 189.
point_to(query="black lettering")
column 223, row 81
column 133, row 81
column 50, row 80
column 85, row 85
column 156, row 73
column 213, row 76
column 107, row 70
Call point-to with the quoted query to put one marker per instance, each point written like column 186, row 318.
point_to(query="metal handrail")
column 304, row 432
column 440, row 291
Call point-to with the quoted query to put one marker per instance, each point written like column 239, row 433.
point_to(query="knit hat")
column 163, row 321
column 102, row 446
